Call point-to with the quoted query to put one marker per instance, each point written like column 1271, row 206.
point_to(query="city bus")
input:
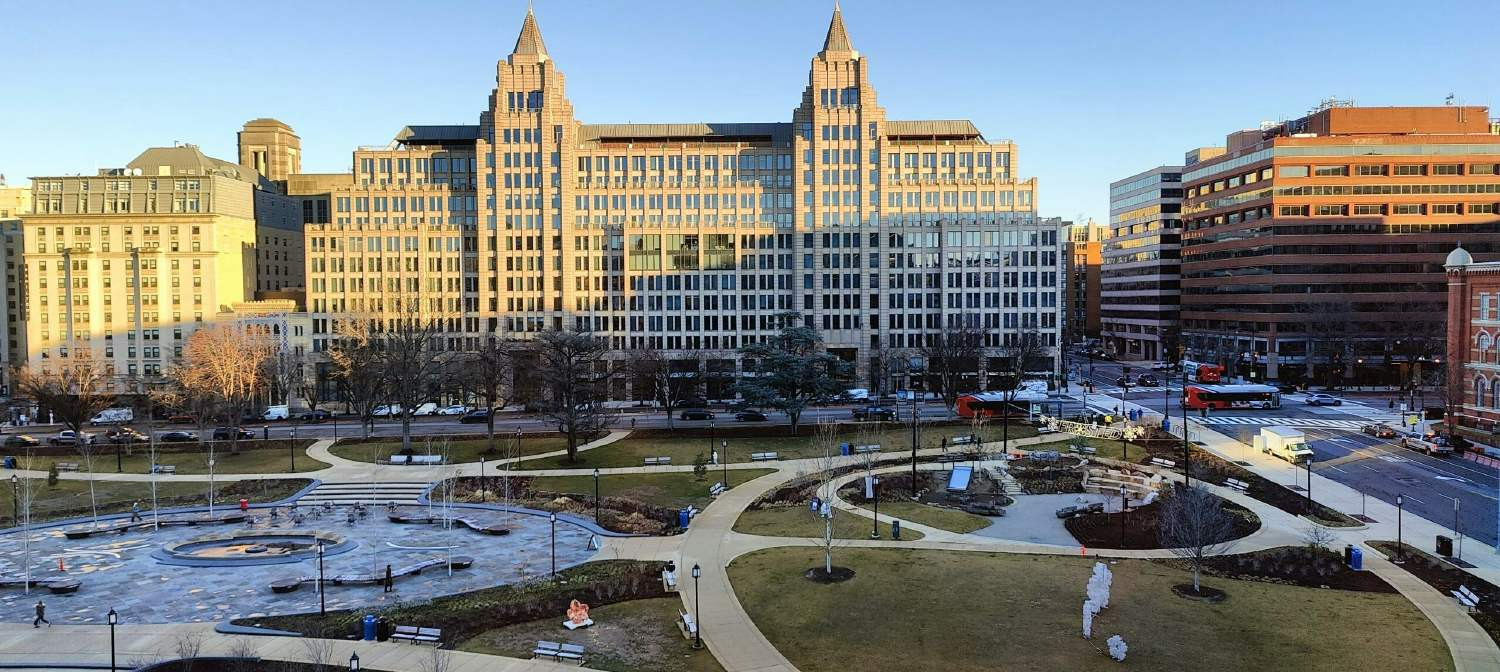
column 992, row 404
column 1219, row 397
column 1199, row 372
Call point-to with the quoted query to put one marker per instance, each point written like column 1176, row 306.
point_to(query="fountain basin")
column 251, row 547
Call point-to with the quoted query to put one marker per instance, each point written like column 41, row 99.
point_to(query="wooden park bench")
column 686, row 624
column 164, row 468
column 866, row 449
column 417, row 635
column 67, row 466
column 658, row 461
column 1466, row 597
column 1165, row 464
column 716, row 489
column 764, row 457
column 1236, row 484
column 963, row 440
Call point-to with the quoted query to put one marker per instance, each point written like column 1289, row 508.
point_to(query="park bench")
column 546, row 649
column 164, row 468
column 866, row 449
column 1467, row 598
column 764, row 457
column 1044, row 429
column 669, row 580
column 658, row 461
column 990, row 508
column 417, row 635
column 686, row 624
column 716, row 489
column 426, row 459
column 1165, row 464
column 67, row 466
column 954, row 457
column 1082, row 449
column 399, row 459
column 571, row 652
column 1236, row 484
column 963, row 440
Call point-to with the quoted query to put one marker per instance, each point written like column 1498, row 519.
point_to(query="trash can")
column 896, row 530
column 369, row 631
column 1445, row 546
column 683, row 516
column 244, row 505
column 383, row 629
column 844, row 448
column 1356, row 559
column 1349, row 554
column 10, row 462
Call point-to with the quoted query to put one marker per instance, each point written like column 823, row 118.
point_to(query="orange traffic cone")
column 60, row 566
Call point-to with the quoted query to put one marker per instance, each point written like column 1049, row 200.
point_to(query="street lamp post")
column 15, row 500
column 711, row 425
column 1456, row 531
column 1122, row 517
column 1187, row 476
column 913, row 394
column 724, row 457
column 875, row 494
column 482, row 495
column 1400, row 548
column 596, row 495
column 113, row 619
column 120, row 464
column 697, row 610
column 1309, row 485
column 553, row 519
column 353, row 662
column 291, row 448
column 322, row 593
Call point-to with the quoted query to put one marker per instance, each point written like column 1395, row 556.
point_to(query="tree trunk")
column 405, row 430
column 489, row 422
column 1196, row 588
column 828, row 544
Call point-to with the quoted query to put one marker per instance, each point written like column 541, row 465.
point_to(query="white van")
column 113, row 416
column 280, row 412
column 1284, row 442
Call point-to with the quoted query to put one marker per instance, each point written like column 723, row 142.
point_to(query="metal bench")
column 1466, row 597
column 164, row 468
column 1165, row 464
column 1082, row 449
column 866, row 449
column 67, row 466
column 764, row 457
column 686, row 624
column 417, row 635
column 400, row 459
column 716, row 489
column 426, row 459
column 544, row 649
column 571, row 652
column 962, row 440
column 658, row 461
column 1236, row 484
column 669, row 581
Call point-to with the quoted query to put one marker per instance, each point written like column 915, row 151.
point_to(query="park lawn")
column 798, row 521
column 631, row 452
column 673, row 490
column 459, row 452
column 626, row 636
column 1024, row 613
column 951, row 520
column 1108, row 448
column 250, row 460
column 70, row 498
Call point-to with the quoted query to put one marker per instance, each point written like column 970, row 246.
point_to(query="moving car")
column 1321, row 399
column 181, row 419
column 1435, row 445
column 386, row 410
column 21, row 441
column 1379, row 431
column 316, row 416
column 454, row 409
column 428, row 408
column 750, row 416
column 1122, row 381
column 68, row 437
column 1161, row 366
column 691, row 402
column 875, row 413
column 696, row 414
column 228, row 433
column 478, row 415
column 125, row 435
column 178, row 437
column 1286, row 388
column 1147, row 380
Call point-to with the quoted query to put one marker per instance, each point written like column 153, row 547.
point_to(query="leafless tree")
column 319, row 651
column 1010, row 382
column 355, row 358
column 486, row 375
column 1330, row 327
column 575, row 380
column 307, row 386
column 1195, row 527
column 650, row 369
column 284, row 370
column 953, row 359
column 826, row 460
column 75, row 392
column 409, row 360
column 188, row 646
column 227, row 365
column 245, row 650
column 438, row 660
column 884, row 362
column 1318, row 537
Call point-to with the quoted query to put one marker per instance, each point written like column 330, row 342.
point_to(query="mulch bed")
column 1203, row 594
column 1445, row 577
column 838, row 575
column 616, row 514
column 1048, row 477
column 1143, row 525
column 1304, row 566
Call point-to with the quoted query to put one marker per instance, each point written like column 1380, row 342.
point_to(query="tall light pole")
column 1187, row 475
column 553, row 519
column 1309, row 485
column 875, row 495
column 711, row 426
column 1400, row 548
column 1456, row 531
column 15, row 500
column 596, row 495
column 697, row 609
column 724, row 457
column 113, row 619
column 322, row 593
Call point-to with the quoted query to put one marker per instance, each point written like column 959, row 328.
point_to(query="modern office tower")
column 206, row 234
column 1139, row 280
column 1081, row 291
column 1313, row 249
column 691, row 238
column 271, row 149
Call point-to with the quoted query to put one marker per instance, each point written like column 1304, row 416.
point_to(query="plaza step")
column 338, row 494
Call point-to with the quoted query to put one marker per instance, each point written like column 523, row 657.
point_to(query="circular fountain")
column 251, row 547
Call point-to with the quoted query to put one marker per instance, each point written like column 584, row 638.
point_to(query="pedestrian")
column 41, row 616
column 632, row 424
column 389, row 580
column 135, row 512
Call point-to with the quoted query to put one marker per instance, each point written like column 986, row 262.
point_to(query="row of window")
column 1344, row 210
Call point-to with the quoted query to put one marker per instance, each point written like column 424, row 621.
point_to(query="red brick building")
column 1473, row 375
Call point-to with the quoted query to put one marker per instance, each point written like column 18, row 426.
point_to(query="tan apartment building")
column 1081, row 291
column 197, row 225
column 691, row 237
column 15, row 203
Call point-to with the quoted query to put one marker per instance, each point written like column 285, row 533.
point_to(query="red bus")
column 992, row 404
column 1220, row 397
column 1202, row 373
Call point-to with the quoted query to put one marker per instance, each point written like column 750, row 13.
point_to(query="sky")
column 1091, row 91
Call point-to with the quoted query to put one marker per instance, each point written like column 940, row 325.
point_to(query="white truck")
column 113, row 416
column 1284, row 442
column 1435, row 446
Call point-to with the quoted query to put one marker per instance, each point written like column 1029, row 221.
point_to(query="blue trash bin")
column 683, row 516
column 1356, row 559
column 843, row 448
column 369, row 623
column 10, row 462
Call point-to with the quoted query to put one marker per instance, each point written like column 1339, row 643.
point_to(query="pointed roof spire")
column 838, row 38
column 529, row 43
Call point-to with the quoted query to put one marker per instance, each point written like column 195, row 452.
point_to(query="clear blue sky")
column 1093, row 91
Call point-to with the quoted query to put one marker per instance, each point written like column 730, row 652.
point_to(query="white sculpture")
column 1089, row 609
column 1117, row 647
column 1099, row 585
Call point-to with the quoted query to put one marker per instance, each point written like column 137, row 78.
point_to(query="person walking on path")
column 135, row 512
column 389, row 582
column 41, row 616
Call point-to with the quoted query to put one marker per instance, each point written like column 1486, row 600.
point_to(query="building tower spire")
column 838, row 38
column 529, row 43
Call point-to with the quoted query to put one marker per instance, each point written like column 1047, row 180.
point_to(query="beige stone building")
column 15, row 202
column 690, row 237
column 207, row 236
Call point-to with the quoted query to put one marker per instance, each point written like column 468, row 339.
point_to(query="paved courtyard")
column 118, row 570
column 1033, row 519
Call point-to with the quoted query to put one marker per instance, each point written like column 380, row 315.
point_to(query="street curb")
column 228, row 628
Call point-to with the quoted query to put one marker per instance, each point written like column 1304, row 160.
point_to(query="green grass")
column 631, row 452
column 672, row 490
column 459, row 452
column 70, row 498
column 932, row 610
column 951, row 520
column 627, row 636
column 798, row 521
column 194, row 460
column 1108, row 448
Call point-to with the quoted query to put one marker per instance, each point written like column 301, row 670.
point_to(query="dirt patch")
column 1203, row 594
column 1446, row 578
column 1048, row 477
column 822, row 575
column 635, row 635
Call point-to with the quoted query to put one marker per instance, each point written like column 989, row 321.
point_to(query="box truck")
column 1284, row 442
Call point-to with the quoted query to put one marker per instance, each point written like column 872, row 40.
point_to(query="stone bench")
column 764, row 457
column 658, row 461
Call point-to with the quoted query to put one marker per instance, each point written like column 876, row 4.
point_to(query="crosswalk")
column 1261, row 420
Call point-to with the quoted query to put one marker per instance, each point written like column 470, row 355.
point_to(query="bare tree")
column 650, row 369
column 1195, row 527
column 307, row 385
column 1329, row 326
column 319, row 651
column 825, row 460
column 574, row 379
column 1026, row 348
column 953, row 359
column 227, row 365
column 355, row 357
column 438, row 660
column 485, row 374
column 188, row 646
column 75, row 392
column 409, row 362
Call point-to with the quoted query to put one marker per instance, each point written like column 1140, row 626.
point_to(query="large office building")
column 208, row 234
column 689, row 238
column 1081, row 291
column 15, row 203
column 1313, row 249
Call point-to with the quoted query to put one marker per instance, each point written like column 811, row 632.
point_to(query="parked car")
column 21, row 441
column 68, row 437
column 112, row 416
column 875, row 413
column 181, row 419
column 1432, row 445
column 429, row 408
column 1161, row 366
column 691, row 402
column 228, row 433
column 178, row 437
column 1286, row 388
column 386, row 411
column 316, row 416
column 1321, row 399
column 1379, row 431
column 454, row 409
column 696, row 414
column 125, row 435
column 1147, row 380
column 478, row 415
column 750, row 416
